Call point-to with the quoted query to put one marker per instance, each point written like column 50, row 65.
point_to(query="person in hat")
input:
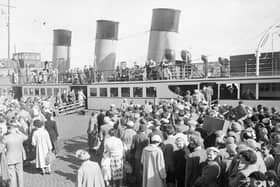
column 139, row 142
column 41, row 140
column 154, row 172
column 211, row 170
column 15, row 154
column 89, row 173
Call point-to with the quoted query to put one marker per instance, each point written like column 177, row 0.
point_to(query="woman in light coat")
column 41, row 140
column 89, row 173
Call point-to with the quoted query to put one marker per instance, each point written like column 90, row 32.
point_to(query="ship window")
column 103, row 92
column 248, row 91
column 137, row 92
column 114, row 92
column 93, row 92
column 43, row 91
column 125, row 92
column 31, row 91
column 49, row 91
column 228, row 91
column 36, row 91
column 56, row 90
column 25, row 91
column 151, row 92
column 269, row 91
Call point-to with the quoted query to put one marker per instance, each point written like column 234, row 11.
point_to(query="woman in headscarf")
column 89, row 173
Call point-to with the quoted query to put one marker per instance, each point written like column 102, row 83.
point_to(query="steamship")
column 255, row 79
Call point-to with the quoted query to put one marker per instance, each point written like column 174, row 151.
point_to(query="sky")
column 214, row 28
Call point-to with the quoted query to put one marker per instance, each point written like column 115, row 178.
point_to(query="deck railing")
column 171, row 72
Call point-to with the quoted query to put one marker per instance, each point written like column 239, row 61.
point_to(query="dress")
column 41, row 140
column 114, row 147
column 89, row 175
column 153, row 166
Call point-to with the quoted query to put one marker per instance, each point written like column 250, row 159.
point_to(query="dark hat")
column 38, row 123
column 249, row 155
column 258, row 176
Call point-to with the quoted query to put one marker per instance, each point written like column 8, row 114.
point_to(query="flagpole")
column 9, row 34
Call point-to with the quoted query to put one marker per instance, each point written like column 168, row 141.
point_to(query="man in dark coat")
column 194, row 160
column 51, row 127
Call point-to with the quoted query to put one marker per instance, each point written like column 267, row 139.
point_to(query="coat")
column 193, row 166
column 153, row 166
column 41, row 140
column 14, row 144
column 209, row 176
column 89, row 175
column 51, row 127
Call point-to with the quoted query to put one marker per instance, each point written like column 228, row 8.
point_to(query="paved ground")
column 72, row 130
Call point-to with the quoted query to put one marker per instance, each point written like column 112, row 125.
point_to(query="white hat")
column 213, row 149
column 82, row 154
column 130, row 124
column 156, row 138
column 183, row 137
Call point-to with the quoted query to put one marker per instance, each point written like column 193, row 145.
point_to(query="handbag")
column 50, row 157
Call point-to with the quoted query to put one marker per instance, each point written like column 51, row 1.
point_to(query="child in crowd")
column 106, row 168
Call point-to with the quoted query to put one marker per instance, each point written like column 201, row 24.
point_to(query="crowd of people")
column 28, row 133
column 184, row 143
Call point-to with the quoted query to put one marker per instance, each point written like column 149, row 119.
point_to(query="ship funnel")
column 164, row 30
column 61, row 49
column 106, row 46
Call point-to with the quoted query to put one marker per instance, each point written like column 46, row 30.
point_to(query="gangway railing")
column 70, row 108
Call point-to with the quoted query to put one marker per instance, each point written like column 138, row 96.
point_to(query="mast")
column 9, row 32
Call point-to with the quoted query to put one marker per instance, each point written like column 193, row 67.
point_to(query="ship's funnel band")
column 62, row 37
column 165, row 20
column 107, row 30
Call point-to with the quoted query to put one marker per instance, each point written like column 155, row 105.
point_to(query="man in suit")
column 15, row 154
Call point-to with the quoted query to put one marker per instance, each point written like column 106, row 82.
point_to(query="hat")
column 242, row 147
column 231, row 149
column 181, row 136
column 142, row 128
column 216, row 150
column 164, row 120
column 130, row 124
column 230, row 140
column 38, row 123
column 156, row 138
column 252, row 144
column 82, row 154
column 257, row 175
column 236, row 127
column 265, row 120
